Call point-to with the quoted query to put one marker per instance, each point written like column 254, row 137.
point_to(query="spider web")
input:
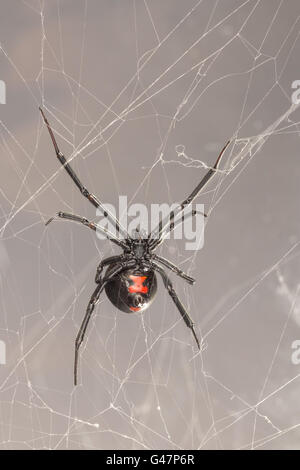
column 142, row 96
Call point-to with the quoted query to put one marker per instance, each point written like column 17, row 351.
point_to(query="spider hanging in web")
column 130, row 281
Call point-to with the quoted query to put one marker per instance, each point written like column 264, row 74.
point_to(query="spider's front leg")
column 163, row 228
column 84, row 191
column 77, row 218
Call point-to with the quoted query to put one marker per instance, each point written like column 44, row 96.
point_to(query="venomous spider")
column 130, row 278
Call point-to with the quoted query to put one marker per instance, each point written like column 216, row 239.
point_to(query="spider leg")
column 84, row 191
column 108, row 261
column 90, row 308
column 173, row 268
column 94, row 299
column 205, row 179
column 87, row 223
column 169, row 227
column 169, row 286
column 188, row 200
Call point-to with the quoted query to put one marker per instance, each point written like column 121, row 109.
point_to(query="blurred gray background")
column 127, row 85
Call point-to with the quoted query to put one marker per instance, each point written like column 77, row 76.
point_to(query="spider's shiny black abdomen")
column 133, row 290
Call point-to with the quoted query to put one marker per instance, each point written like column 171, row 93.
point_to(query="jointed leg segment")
column 84, row 191
column 90, row 308
column 87, row 223
column 161, row 229
column 168, row 285
column 173, row 268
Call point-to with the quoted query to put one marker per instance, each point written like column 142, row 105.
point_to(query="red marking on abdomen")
column 135, row 309
column 138, row 285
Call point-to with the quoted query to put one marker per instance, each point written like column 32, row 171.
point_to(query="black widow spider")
column 130, row 281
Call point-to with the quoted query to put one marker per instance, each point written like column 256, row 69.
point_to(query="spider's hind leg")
column 94, row 299
column 174, row 268
column 90, row 308
column 169, row 286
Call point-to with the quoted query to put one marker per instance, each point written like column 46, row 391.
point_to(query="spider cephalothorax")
column 130, row 278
